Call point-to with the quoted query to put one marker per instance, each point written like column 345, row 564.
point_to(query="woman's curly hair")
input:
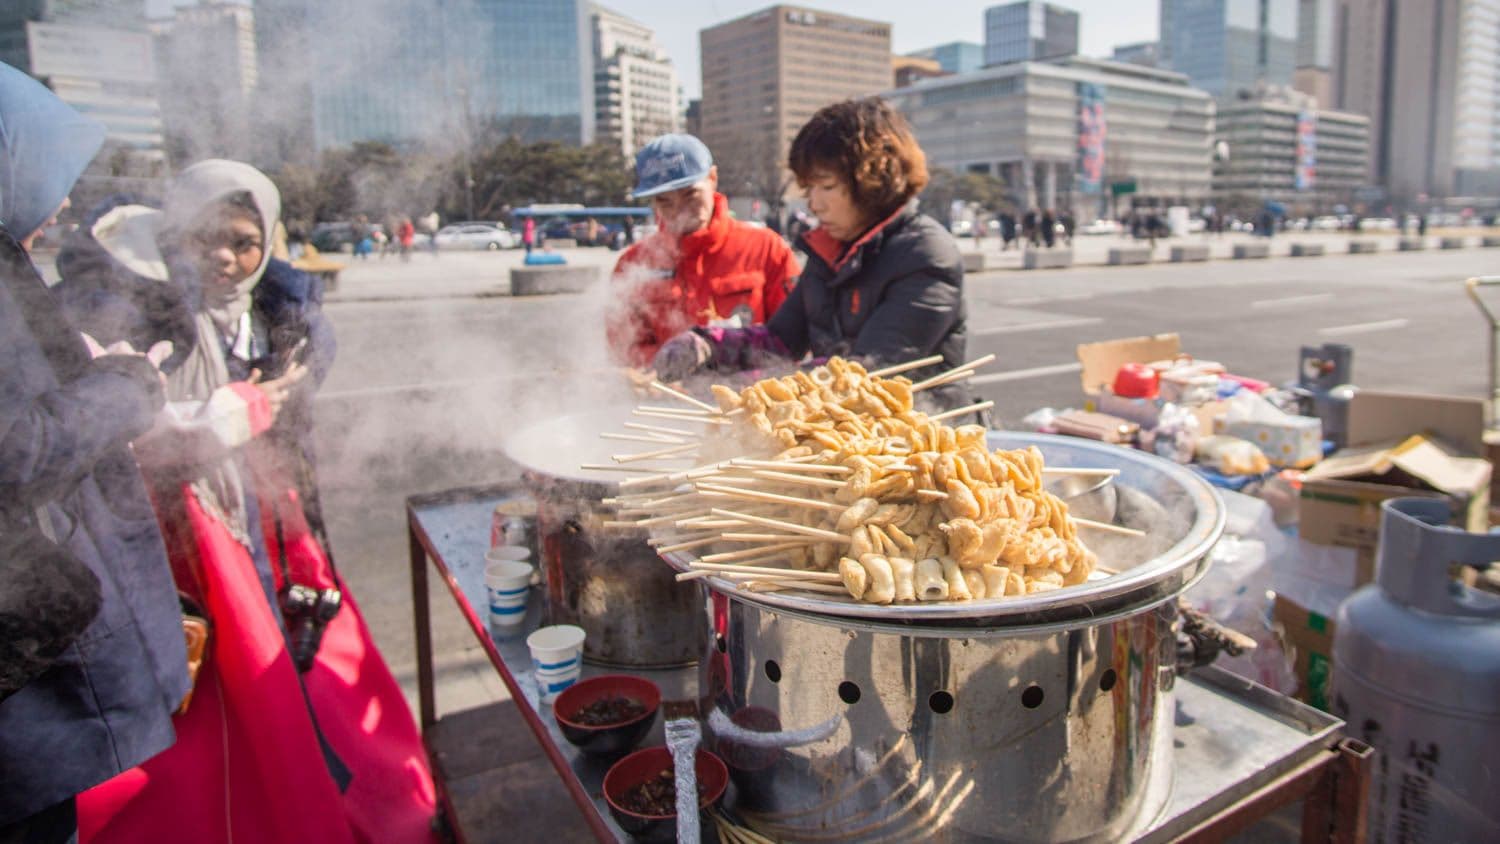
column 869, row 145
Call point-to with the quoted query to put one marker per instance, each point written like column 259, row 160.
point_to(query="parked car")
column 476, row 236
column 1327, row 223
column 1377, row 224
column 335, row 236
column 1101, row 226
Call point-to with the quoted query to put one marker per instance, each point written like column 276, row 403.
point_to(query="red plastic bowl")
column 607, row 738
column 1136, row 381
column 641, row 766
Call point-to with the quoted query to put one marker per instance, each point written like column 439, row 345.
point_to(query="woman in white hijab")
column 278, row 741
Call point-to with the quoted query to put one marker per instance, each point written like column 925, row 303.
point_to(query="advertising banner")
column 1307, row 150
column 1089, row 173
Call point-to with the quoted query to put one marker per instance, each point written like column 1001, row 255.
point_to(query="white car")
column 476, row 236
column 1327, row 223
column 1101, row 226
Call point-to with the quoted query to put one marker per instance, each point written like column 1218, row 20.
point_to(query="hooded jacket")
column 667, row 285
column 65, row 423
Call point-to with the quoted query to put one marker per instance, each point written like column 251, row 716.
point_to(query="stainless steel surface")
column 1182, row 514
column 859, row 733
column 606, row 580
column 1087, row 496
column 1230, row 738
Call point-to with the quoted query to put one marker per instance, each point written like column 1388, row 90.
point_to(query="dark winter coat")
column 894, row 295
column 65, row 424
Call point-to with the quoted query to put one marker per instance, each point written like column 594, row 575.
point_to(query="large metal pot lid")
column 558, row 448
column 1181, row 513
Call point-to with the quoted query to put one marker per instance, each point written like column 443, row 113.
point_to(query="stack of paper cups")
column 508, row 583
column 556, row 658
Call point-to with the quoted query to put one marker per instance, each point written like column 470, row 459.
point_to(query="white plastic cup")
column 511, row 553
column 556, row 658
column 508, row 582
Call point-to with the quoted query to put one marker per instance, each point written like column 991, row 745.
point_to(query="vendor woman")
column 701, row 266
column 883, row 283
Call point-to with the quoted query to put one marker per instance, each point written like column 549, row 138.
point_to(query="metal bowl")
column 1181, row 513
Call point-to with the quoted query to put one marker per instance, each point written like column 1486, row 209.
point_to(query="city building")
column 207, row 70
column 1229, row 46
column 955, row 56
column 1315, row 30
column 283, row 105
column 97, row 57
column 1427, row 73
column 766, row 73
column 1143, row 53
column 1027, row 31
column 1075, row 133
column 909, row 69
column 637, row 95
column 1283, row 148
column 449, row 70
column 692, row 119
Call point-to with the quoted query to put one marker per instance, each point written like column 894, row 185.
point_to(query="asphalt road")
column 428, row 381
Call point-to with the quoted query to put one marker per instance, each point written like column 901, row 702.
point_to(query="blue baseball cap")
column 670, row 162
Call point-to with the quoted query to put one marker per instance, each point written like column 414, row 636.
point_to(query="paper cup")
column 508, row 583
column 556, row 658
column 511, row 553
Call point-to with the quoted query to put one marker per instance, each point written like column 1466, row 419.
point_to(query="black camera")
column 307, row 612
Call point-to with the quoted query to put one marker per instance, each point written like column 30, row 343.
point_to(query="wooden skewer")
column 932, row 494
column 766, row 537
column 779, row 524
column 658, row 429
column 786, row 586
column 1091, row 472
column 941, row 381
column 803, row 480
column 641, row 438
column 757, row 495
column 680, row 411
column 696, row 574
column 1105, row 526
column 730, row 556
column 680, row 417
column 659, row 453
column 973, row 408
column 906, row 367
column 954, row 374
column 601, row 467
column 676, row 394
column 829, row 576
column 708, row 524
column 686, row 546
column 788, row 466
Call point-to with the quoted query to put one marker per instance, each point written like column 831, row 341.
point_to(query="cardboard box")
column 1389, row 457
column 1102, row 360
column 1307, row 637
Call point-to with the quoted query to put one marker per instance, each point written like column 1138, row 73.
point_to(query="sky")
column 1102, row 23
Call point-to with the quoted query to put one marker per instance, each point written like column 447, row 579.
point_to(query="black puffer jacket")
column 895, row 295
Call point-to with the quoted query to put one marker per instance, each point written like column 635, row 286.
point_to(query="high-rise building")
column 1284, row 148
column 1227, row 47
column 1029, row 31
column 1062, row 134
column 96, row 55
column 283, row 106
column 954, row 57
column 1143, row 53
column 1315, row 31
column 1427, row 73
column 766, row 73
column 637, row 95
column 449, row 69
column 207, row 70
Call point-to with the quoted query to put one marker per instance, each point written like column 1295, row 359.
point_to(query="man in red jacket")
column 701, row 266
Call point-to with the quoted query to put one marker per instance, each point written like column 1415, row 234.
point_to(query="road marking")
column 1021, row 374
column 1364, row 327
column 1041, row 300
column 1291, row 301
column 1036, row 326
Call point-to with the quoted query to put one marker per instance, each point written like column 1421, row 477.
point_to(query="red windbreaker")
column 667, row 285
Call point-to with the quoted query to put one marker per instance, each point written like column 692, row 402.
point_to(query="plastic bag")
column 1232, row 456
column 1176, row 434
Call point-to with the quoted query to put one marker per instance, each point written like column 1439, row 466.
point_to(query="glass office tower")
column 1227, row 46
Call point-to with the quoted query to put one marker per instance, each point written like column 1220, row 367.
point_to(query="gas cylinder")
column 1416, row 674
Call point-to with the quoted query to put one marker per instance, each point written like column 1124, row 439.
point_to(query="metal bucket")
column 1039, row 718
column 606, row 580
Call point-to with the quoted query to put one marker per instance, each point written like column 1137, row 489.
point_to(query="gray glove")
column 681, row 356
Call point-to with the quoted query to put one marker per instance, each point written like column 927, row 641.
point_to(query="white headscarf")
column 190, row 196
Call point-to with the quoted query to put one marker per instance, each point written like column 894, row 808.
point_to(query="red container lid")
column 1136, row 381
